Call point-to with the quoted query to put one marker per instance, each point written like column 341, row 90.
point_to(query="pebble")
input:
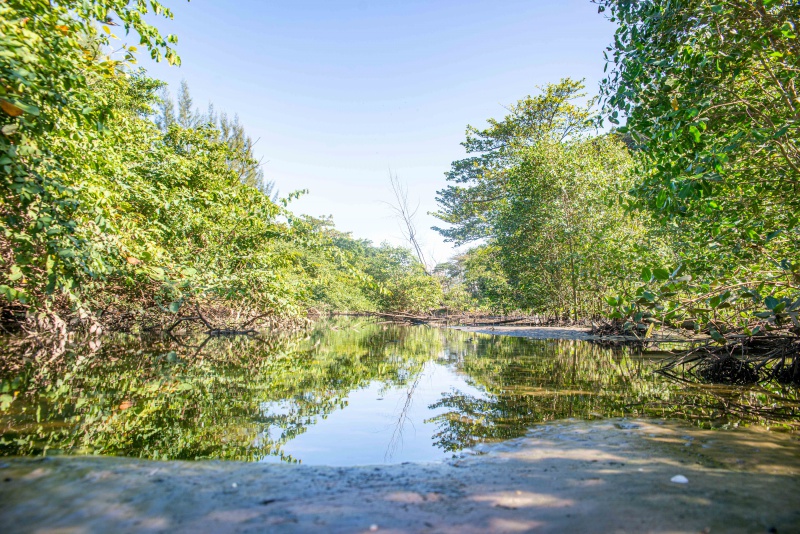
column 679, row 479
column 626, row 426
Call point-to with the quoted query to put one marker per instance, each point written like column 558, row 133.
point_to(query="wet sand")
column 604, row 476
column 534, row 332
column 575, row 333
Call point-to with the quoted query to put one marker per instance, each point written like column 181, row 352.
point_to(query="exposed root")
column 727, row 369
column 744, row 360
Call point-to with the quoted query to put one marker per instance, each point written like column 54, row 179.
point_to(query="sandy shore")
column 533, row 332
column 606, row 476
column 580, row 333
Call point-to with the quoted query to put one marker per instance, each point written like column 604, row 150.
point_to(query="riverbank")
column 605, row 476
column 573, row 332
column 580, row 333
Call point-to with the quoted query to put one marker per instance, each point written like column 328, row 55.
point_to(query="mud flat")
column 605, row 476
column 574, row 333
column 534, row 332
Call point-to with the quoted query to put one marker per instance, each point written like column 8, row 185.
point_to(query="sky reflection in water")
column 347, row 392
column 382, row 424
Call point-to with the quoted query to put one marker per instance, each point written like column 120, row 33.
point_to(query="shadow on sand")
column 605, row 476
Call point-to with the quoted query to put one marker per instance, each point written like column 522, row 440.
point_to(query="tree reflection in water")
column 244, row 399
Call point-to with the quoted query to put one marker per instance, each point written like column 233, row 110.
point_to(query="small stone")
column 679, row 479
column 373, row 528
column 626, row 426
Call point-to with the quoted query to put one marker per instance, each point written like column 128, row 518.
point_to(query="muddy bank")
column 608, row 476
column 581, row 333
column 576, row 333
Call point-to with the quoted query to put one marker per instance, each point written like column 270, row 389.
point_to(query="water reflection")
column 346, row 392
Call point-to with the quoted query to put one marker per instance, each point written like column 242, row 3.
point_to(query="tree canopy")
column 117, row 206
column 545, row 191
column 707, row 91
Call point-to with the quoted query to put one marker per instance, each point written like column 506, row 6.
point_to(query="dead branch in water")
column 212, row 326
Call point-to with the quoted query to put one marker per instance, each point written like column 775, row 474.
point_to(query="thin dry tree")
column 406, row 214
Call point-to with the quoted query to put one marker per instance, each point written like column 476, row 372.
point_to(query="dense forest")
column 119, row 209
column 670, row 198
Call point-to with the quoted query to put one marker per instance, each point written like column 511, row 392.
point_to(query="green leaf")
column 781, row 132
column 661, row 274
column 27, row 108
column 716, row 336
column 773, row 235
column 771, row 302
column 5, row 401
column 16, row 273
column 646, row 275
column 174, row 307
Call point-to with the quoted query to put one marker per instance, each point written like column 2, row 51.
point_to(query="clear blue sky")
column 338, row 92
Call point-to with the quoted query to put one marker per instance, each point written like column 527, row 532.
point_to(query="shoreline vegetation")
column 666, row 205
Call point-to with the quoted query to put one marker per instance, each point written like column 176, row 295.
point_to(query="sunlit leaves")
column 54, row 69
column 708, row 89
column 549, row 197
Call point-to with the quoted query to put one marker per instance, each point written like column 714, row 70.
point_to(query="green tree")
column 707, row 91
column 165, row 115
column 50, row 69
column 187, row 117
column 231, row 131
column 546, row 195
column 468, row 207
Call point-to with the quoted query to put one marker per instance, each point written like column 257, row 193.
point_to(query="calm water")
column 346, row 392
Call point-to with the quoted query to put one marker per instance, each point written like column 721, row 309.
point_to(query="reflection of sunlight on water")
column 382, row 424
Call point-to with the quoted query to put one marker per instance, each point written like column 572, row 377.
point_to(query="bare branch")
column 406, row 214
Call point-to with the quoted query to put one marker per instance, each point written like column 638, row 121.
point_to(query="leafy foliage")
column 546, row 195
column 708, row 93
column 55, row 232
column 355, row 275
column 105, row 209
